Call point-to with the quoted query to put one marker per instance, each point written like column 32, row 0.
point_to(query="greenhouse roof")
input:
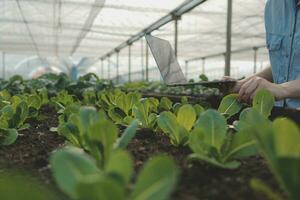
column 94, row 27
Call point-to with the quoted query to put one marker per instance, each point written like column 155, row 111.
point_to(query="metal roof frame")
column 185, row 7
column 224, row 53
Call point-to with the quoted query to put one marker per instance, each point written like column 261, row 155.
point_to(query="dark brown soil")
column 199, row 180
column 30, row 153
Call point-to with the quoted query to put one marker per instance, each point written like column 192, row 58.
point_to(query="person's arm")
column 291, row 89
column 265, row 74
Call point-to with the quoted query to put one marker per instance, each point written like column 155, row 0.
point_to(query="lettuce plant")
column 8, row 136
column 14, row 185
column 279, row 143
column 120, row 110
column 12, row 117
column 91, row 130
column 165, row 104
column 43, row 94
column 62, row 99
column 177, row 127
column 230, row 106
column 79, row 177
column 211, row 141
column 263, row 103
column 34, row 103
column 14, row 111
column 107, row 98
column 145, row 112
column 89, row 96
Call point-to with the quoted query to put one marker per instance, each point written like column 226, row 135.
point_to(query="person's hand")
column 250, row 86
column 238, row 85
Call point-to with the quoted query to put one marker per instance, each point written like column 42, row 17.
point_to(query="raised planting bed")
column 30, row 153
column 120, row 145
column 214, row 102
column 198, row 180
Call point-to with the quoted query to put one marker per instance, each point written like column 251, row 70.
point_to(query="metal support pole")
column 255, row 59
column 186, row 69
column 3, row 65
column 117, row 67
column 142, row 59
column 203, row 66
column 228, row 38
column 147, row 63
column 102, row 68
column 129, row 63
column 224, row 55
column 108, row 67
column 176, row 19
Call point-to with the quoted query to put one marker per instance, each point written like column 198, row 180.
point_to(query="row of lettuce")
column 96, row 165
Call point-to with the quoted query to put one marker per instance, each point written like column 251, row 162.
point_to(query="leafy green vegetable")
column 242, row 145
column 16, row 186
column 8, row 136
column 178, row 127
column 34, row 103
column 203, row 77
column 261, row 187
column 165, row 104
column 127, row 101
column 100, row 189
column 91, row 130
column 230, row 105
column 199, row 109
column 70, row 166
column 248, row 118
column 186, row 116
column 127, row 136
column 89, row 96
column 63, row 99
column 211, row 142
column 184, row 100
column 144, row 112
column 119, row 106
column 120, row 167
column 215, row 128
column 264, row 102
column 14, row 111
column 21, row 112
column 279, row 143
column 78, row 176
column 43, row 94
column 156, row 181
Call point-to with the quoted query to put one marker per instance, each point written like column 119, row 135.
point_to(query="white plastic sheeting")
column 74, row 27
column 64, row 33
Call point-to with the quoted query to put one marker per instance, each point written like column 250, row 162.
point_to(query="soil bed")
column 199, row 180
column 30, row 153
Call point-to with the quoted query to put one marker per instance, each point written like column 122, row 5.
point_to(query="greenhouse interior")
column 149, row 100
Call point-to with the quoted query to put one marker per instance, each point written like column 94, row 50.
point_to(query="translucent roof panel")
column 74, row 27
column 62, row 33
column 202, row 32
